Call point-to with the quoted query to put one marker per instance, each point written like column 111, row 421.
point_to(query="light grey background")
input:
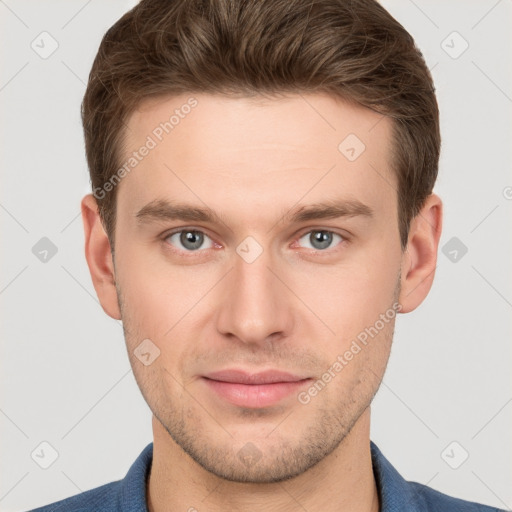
column 65, row 375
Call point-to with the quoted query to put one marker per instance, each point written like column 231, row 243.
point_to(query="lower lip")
column 254, row 395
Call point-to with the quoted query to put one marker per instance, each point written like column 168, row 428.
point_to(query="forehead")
column 259, row 152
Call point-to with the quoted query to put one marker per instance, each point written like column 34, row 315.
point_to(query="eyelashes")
column 190, row 239
column 195, row 240
column 324, row 240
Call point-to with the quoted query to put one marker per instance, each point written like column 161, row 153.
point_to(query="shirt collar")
column 132, row 496
column 395, row 493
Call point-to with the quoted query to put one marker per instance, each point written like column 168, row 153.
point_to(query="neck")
column 342, row 481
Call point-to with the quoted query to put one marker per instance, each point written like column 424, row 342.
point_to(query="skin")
column 295, row 308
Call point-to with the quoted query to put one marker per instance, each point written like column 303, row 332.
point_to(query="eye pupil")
column 191, row 239
column 320, row 239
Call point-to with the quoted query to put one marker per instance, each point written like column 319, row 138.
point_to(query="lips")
column 254, row 390
column 266, row 377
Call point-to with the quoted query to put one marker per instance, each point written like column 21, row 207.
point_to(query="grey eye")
column 190, row 240
column 320, row 239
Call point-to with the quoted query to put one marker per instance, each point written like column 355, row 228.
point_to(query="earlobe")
column 419, row 260
column 99, row 257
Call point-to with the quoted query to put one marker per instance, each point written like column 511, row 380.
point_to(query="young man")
column 262, row 209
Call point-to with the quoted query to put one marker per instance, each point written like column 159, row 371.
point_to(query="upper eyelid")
column 167, row 234
column 311, row 230
column 344, row 239
column 299, row 234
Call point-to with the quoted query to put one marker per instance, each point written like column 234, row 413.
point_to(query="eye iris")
column 191, row 239
column 320, row 239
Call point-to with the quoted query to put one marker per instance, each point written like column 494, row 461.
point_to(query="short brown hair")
column 353, row 49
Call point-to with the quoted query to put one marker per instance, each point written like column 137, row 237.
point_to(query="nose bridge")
column 254, row 305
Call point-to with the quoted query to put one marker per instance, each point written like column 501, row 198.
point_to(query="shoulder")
column 397, row 494
column 100, row 498
column 429, row 499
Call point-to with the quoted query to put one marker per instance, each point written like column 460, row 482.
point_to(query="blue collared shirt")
column 396, row 494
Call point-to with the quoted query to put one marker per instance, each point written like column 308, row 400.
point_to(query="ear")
column 99, row 257
column 419, row 259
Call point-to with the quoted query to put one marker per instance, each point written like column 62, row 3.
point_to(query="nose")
column 255, row 306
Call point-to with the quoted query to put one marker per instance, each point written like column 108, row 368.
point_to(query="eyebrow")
column 164, row 210
column 330, row 210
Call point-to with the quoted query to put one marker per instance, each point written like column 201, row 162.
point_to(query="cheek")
column 350, row 298
column 156, row 292
column 164, row 303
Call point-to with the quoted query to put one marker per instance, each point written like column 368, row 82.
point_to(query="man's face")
column 256, row 287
